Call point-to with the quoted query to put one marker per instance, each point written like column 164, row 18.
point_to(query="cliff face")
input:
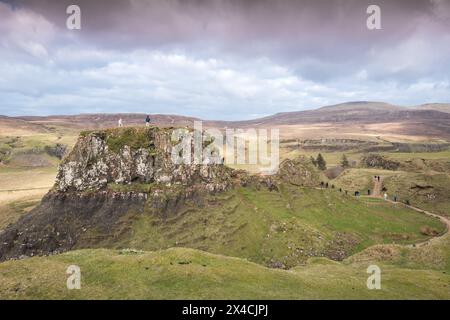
column 132, row 155
column 62, row 219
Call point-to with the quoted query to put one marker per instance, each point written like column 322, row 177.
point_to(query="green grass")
column 433, row 193
column 359, row 179
column 435, row 255
column 274, row 228
column 12, row 211
column 133, row 137
column 429, row 190
column 442, row 155
column 331, row 158
column 191, row 274
column 28, row 150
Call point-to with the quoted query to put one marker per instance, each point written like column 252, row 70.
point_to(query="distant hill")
column 106, row 120
column 10, row 126
column 442, row 107
column 356, row 112
column 361, row 105
column 425, row 120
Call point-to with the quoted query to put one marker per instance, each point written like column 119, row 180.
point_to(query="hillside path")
column 377, row 185
column 377, row 193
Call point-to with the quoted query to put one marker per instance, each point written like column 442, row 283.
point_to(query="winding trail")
column 377, row 194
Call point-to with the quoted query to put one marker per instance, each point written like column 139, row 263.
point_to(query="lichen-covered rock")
column 379, row 161
column 299, row 172
column 131, row 155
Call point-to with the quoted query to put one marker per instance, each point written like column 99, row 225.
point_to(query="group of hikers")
column 147, row 122
column 357, row 193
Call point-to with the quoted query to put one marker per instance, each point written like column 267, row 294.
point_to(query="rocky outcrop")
column 113, row 174
column 58, row 150
column 299, row 172
column 132, row 155
column 379, row 161
column 107, row 175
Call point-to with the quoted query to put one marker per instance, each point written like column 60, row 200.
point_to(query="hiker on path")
column 147, row 121
column 385, row 196
column 395, row 198
column 119, row 123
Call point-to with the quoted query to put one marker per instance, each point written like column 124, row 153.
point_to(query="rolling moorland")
column 251, row 236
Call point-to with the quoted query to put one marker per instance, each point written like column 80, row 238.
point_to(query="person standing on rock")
column 147, row 121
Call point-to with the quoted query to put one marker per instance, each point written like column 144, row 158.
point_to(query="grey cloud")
column 270, row 56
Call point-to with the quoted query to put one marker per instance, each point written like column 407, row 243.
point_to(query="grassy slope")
column 190, row 274
column 434, row 255
column 435, row 198
column 284, row 227
column 27, row 150
column 403, row 184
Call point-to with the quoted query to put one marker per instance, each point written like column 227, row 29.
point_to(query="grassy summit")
column 133, row 137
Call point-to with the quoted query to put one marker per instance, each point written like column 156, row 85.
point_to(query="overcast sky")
column 220, row 59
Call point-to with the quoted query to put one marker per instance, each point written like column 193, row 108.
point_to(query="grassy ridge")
column 191, row 274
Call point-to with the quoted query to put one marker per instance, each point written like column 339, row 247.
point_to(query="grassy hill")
column 182, row 273
column 275, row 228
column 426, row 189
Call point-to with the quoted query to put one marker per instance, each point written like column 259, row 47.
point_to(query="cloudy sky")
column 220, row 59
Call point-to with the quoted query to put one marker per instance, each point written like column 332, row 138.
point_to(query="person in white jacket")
column 385, row 196
column 119, row 123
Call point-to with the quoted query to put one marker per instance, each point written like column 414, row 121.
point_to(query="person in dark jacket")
column 147, row 121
